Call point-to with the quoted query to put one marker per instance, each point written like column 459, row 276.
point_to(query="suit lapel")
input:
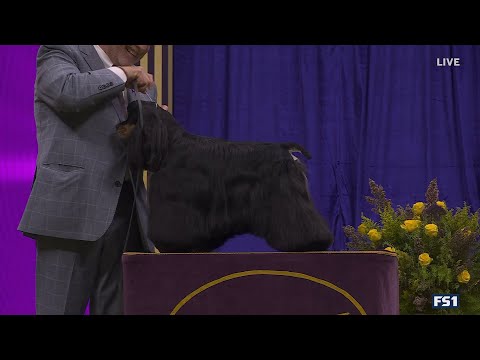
column 95, row 63
column 91, row 57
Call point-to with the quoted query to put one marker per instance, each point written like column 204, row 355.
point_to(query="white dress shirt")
column 109, row 64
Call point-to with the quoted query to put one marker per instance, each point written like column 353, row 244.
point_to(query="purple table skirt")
column 317, row 283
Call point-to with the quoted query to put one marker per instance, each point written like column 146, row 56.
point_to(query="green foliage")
column 437, row 249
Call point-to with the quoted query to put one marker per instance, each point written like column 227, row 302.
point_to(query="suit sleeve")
column 62, row 86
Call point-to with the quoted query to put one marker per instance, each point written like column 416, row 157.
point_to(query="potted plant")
column 437, row 249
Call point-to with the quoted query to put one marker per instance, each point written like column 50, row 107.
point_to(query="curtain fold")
column 386, row 113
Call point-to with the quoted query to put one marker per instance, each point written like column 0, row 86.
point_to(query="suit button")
column 118, row 183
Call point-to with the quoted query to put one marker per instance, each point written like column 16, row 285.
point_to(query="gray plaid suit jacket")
column 81, row 162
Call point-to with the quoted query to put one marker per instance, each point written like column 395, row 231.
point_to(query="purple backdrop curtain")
column 18, row 151
column 382, row 112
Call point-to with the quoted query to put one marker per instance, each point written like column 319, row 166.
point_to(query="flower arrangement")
column 437, row 249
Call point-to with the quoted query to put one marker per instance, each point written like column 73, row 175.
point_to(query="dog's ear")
column 134, row 149
column 126, row 127
column 133, row 113
column 136, row 136
column 156, row 138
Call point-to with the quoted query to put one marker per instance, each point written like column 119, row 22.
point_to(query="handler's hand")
column 137, row 74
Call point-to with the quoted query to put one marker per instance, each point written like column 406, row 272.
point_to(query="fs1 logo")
column 443, row 301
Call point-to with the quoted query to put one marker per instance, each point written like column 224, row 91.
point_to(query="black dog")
column 203, row 190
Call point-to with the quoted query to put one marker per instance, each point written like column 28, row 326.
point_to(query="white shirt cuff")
column 119, row 72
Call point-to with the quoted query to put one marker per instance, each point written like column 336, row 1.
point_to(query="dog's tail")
column 294, row 147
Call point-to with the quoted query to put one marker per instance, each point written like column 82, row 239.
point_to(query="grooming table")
column 263, row 283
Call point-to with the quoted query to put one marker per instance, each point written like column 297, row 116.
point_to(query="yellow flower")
column 466, row 232
column 418, row 208
column 463, row 277
column 391, row 249
column 424, row 259
column 362, row 229
column 410, row 225
column 374, row 235
column 442, row 205
column 431, row 230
